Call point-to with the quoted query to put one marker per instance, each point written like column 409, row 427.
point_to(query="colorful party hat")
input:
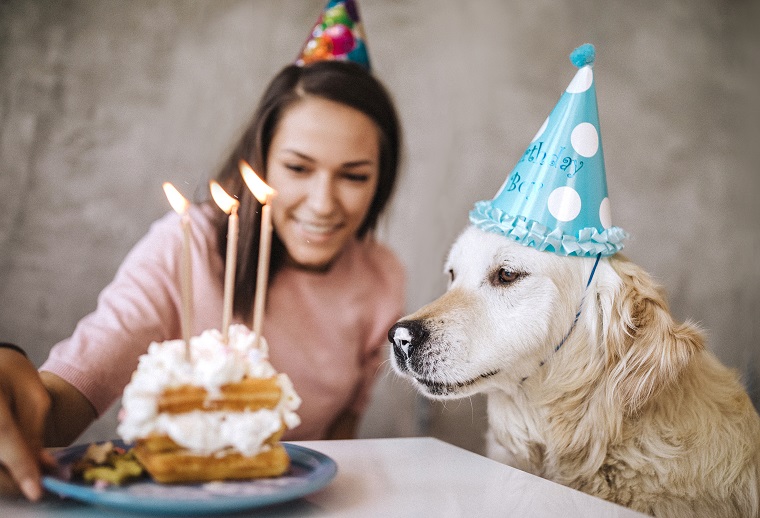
column 338, row 34
column 555, row 199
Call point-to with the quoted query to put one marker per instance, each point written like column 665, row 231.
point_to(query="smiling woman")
column 325, row 137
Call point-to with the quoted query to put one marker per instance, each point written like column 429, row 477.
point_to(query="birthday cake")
column 213, row 411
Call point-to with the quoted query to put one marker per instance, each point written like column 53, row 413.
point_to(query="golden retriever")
column 592, row 386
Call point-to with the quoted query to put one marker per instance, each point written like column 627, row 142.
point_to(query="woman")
column 326, row 138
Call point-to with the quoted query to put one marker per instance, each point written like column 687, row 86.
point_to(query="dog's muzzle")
column 406, row 336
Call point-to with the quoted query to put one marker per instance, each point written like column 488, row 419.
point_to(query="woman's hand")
column 24, row 407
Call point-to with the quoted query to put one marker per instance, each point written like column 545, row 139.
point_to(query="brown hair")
column 339, row 81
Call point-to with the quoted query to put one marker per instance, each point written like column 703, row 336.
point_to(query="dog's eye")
column 505, row 276
column 451, row 275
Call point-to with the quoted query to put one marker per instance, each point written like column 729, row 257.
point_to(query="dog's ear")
column 646, row 350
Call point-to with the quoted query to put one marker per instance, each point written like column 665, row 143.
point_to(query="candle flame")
column 226, row 202
column 177, row 201
column 257, row 186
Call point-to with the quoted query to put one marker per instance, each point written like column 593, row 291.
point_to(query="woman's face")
column 324, row 164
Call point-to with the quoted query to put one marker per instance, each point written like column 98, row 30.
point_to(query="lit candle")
column 264, row 194
column 230, row 206
column 180, row 205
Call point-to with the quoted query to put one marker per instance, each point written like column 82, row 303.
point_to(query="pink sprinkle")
column 100, row 484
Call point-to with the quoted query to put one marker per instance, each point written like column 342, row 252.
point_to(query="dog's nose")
column 406, row 335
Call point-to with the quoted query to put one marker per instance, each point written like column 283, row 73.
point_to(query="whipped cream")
column 211, row 364
column 207, row 433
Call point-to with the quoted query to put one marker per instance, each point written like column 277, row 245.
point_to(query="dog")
column 589, row 380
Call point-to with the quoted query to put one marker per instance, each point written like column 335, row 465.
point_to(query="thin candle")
column 264, row 194
column 180, row 206
column 230, row 206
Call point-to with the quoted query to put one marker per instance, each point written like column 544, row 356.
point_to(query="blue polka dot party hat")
column 338, row 34
column 555, row 199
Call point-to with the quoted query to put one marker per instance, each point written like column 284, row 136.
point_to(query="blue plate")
column 309, row 471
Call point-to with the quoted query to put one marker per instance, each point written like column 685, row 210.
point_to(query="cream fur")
column 633, row 408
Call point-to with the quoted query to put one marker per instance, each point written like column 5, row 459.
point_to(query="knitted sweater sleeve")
column 140, row 305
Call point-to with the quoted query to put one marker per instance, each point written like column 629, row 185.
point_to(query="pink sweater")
column 325, row 330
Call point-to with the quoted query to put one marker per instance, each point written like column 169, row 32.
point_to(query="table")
column 414, row 477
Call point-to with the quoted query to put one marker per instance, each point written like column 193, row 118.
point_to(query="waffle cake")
column 215, row 414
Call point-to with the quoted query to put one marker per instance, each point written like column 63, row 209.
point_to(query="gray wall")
column 102, row 101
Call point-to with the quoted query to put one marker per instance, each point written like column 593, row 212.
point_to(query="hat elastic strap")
column 577, row 315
